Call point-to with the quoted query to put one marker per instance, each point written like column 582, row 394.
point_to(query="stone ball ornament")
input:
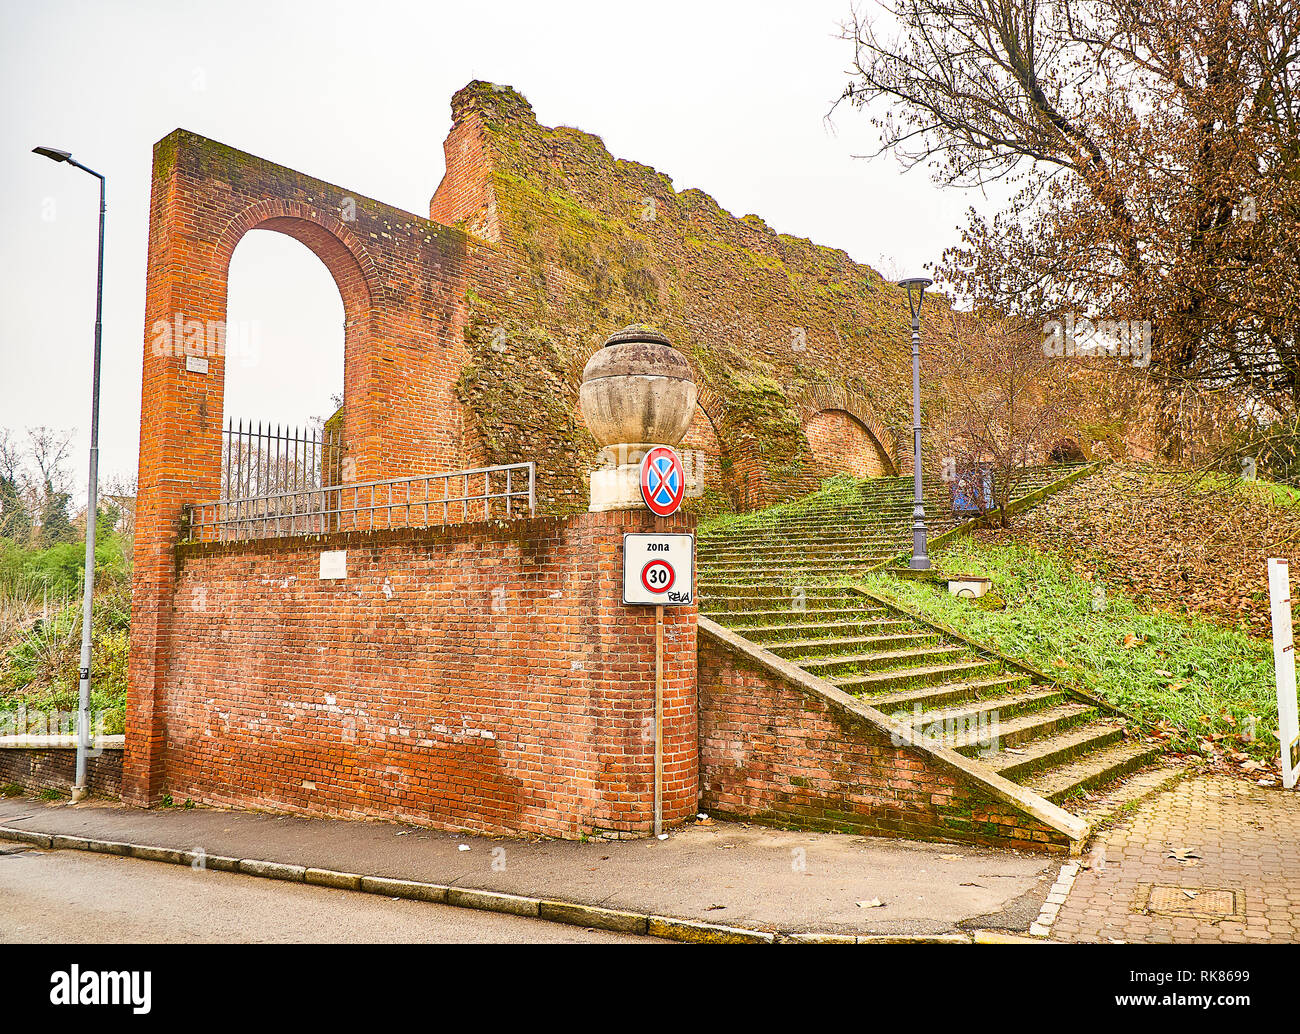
column 637, row 394
column 637, row 389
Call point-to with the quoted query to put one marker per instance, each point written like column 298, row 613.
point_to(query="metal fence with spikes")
column 264, row 459
column 278, row 482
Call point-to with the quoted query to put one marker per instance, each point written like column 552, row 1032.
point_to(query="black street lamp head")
column 916, row 286
column 52, row 153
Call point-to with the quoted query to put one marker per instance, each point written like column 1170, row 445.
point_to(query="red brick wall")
column 403, row 280
column 482, row 676
column 772, row 753
column 55, row 768
column 841, row 445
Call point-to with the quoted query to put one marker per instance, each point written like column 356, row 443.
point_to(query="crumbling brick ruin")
column 476, row 674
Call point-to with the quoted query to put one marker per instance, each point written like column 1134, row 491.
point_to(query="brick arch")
column 747, row 478
column 326, row 236
column 403, row 282
column 713, row 464
column 358, row 283
column 826, row 398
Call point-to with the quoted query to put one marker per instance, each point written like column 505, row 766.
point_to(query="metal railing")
column 414, row 502
column 262, row 459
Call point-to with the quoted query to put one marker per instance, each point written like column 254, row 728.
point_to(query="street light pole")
column 915, row 296
column 92, row 497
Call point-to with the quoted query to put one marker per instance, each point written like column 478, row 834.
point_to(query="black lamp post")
column 915, row 295
column 92, row 501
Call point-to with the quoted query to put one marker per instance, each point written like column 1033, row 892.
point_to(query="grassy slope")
column 1201, row 677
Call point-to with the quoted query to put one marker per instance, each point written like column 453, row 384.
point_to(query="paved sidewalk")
column 722, row 873
column 1238, row 878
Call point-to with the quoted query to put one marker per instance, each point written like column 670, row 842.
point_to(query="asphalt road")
column 71, row 896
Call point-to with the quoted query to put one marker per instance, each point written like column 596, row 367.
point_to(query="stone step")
column 929, row 675
column 775, row 590
column 833, row 527
column 835, row 544
column 760, row 632
column 1017, row 763
column 760, row 566
column 904, row 637
column 1005, row 732
column 879, row 660
column 793, row 556
column 738, row 619
column 730, row 604
column 900, row 705
column 1091, row 770
column 993, row 709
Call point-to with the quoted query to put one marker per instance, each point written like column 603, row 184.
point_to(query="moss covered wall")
column 776, row 328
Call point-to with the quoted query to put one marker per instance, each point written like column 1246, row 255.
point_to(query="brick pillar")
column 180, row 449
column 622, row 652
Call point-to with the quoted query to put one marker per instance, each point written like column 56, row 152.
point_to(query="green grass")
column 1201, row 677
column 836, row 493
column 1274, row 493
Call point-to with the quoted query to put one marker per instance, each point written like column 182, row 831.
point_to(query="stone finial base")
column 616, row 480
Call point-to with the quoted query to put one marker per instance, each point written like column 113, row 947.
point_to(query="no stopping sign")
column 658, row 569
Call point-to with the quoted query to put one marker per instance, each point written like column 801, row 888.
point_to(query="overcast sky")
column 726, row 97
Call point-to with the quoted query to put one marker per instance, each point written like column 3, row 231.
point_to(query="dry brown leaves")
column 1170, row 540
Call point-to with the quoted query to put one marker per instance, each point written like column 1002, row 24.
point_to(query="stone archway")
column 844, row 434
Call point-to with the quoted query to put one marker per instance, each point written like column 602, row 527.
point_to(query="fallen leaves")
column 1186, row 546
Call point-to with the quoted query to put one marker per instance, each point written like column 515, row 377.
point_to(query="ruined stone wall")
column 770, row 323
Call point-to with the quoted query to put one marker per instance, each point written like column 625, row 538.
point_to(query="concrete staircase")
column 781, row 580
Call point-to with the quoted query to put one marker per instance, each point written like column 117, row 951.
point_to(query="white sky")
column 727, row 97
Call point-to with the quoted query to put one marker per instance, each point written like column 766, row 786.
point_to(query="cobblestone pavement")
column 1211, row 860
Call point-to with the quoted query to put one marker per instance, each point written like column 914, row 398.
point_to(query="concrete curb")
column 571, row 913
column 1042, row 926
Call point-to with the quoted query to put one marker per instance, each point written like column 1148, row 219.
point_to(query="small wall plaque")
column 334, row 564
column 196, row 364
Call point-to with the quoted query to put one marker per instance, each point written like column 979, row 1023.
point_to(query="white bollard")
column 1288, row 722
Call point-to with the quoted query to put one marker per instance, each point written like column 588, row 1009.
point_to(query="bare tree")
column 49, row 451
column 1006, row 404
column 1152, row 151
column 15, row 490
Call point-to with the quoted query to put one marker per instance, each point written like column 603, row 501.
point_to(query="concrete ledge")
column 491, row 901
column 590, row 915
column 59, row 742
column 703, row 933
column 25, row 836
column 820, row 938
column 337, row 880
column 159, row 854
column 109, row 847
